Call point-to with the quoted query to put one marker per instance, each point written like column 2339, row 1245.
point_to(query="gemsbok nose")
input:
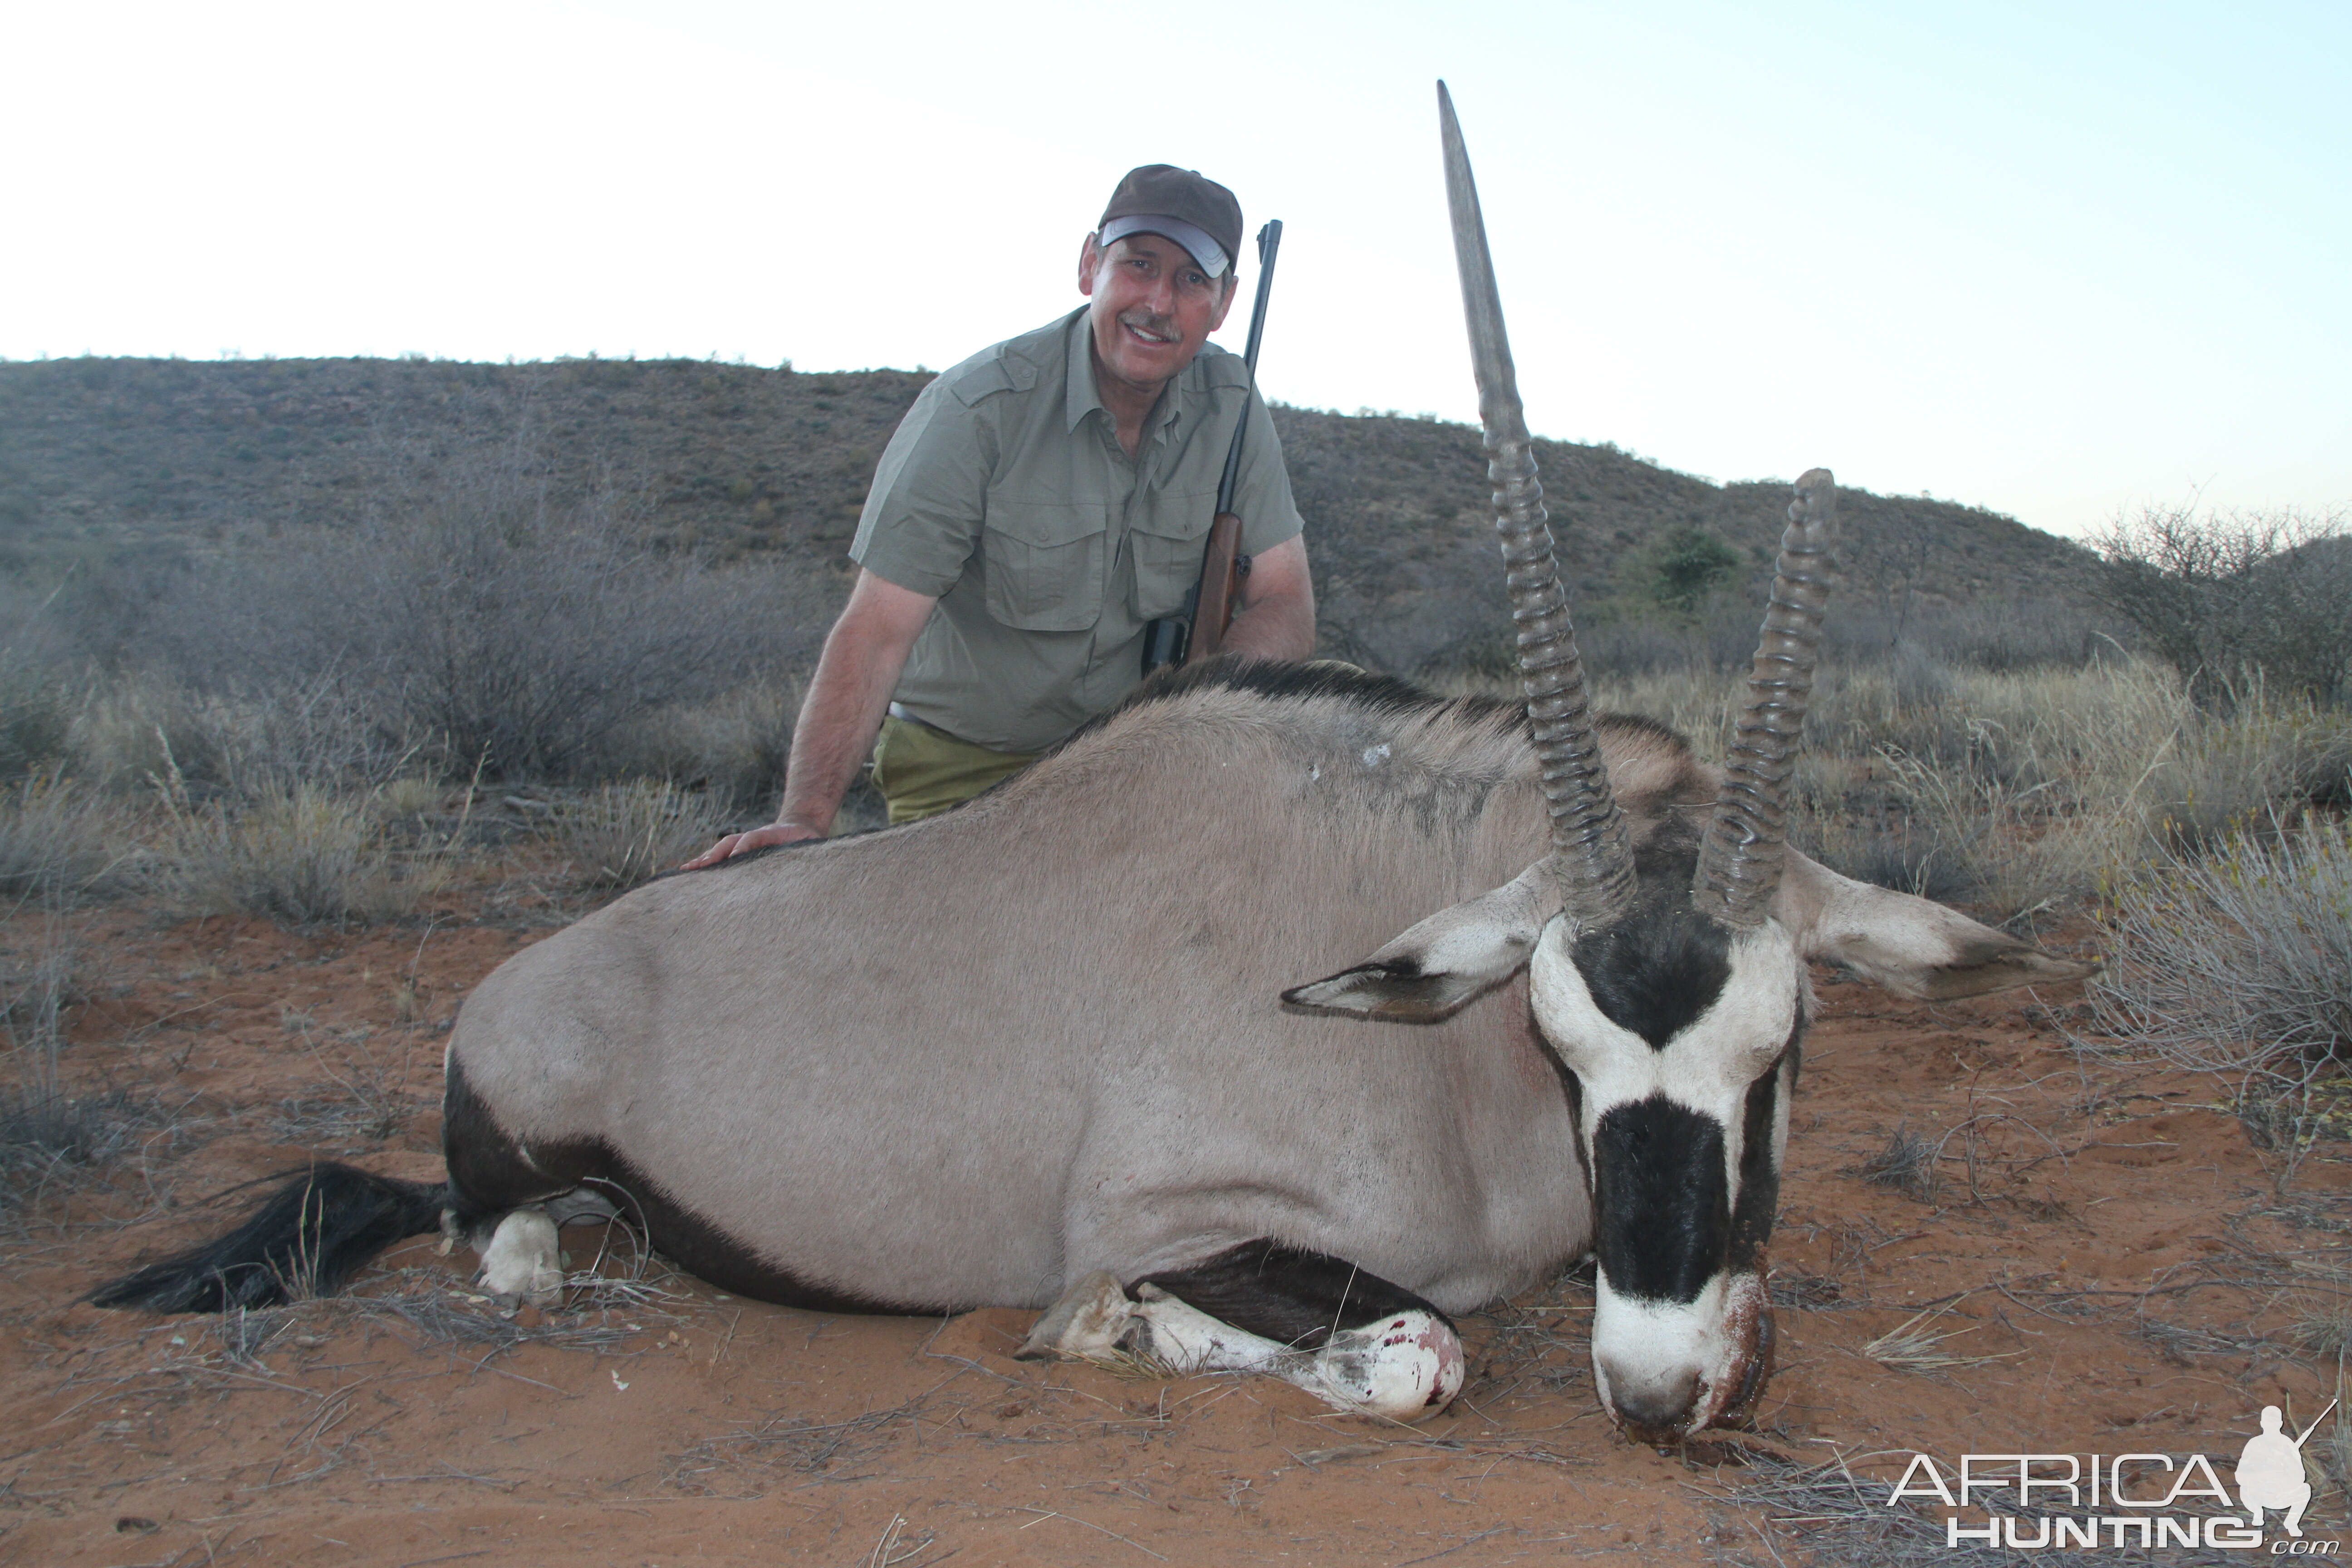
column 1652, row 1407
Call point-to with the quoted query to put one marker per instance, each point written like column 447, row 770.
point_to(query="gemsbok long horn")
column 1746, row 840
column 1591, row 855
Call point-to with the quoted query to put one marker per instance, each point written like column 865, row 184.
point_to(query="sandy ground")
column 2103, row 1264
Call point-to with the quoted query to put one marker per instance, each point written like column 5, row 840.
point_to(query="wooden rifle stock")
column 1222, row 567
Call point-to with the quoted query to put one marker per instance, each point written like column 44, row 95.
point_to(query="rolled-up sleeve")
column 921, row 519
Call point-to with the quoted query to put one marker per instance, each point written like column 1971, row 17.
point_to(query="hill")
column 103, row 458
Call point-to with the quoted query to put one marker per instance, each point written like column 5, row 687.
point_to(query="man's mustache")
column 1147, row 322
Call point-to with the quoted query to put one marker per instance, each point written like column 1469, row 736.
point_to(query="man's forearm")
column 831, row 740
column 864, row 655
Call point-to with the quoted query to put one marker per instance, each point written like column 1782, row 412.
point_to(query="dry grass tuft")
column 619, row 836
column 733, row 747
column 58, row 842
column 304, row 855
column 1909, row 1347
column 2324, row 1329
column 2239, row 773
column 1907, row 1165
column 51, row 1142
column 411, row 796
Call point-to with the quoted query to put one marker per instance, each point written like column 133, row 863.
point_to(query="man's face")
column 1153, row 308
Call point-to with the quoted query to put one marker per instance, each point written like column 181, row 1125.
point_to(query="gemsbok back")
column 1052, row 1050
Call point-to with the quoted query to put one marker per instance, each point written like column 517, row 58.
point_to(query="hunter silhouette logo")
column 2146, row 1500
column 2270, row 1471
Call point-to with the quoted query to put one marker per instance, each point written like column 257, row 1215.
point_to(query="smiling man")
column 1040, row 503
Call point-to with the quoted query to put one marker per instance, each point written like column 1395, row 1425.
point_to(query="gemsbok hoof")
column 1086, row 1324
column 523, row 1260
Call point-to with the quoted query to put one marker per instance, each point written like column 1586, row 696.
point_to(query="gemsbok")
column 1052, row 1049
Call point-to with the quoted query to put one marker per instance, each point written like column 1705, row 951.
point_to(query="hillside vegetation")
column 163, row 459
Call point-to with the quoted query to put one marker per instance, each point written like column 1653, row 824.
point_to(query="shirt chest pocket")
column 1045, row 562
column 1168, row 546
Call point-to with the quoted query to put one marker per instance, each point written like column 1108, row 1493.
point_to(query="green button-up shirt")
column 1005, row 496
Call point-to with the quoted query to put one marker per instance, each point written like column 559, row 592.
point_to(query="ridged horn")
column 1591, row 856
column 1746, row 840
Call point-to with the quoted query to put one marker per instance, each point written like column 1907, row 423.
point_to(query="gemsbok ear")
column 1442, row 964
column 1910, row 945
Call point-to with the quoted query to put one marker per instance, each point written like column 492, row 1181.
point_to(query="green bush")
column 1688, row 565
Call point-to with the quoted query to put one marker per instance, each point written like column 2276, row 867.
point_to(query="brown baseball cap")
column 1198, row 213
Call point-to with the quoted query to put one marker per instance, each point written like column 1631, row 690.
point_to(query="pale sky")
column 2055, row 259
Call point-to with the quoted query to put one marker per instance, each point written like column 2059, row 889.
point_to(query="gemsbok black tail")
column 303, row 1240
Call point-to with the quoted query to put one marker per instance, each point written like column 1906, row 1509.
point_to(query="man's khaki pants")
column 921, row 771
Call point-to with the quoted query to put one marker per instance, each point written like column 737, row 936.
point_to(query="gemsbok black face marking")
column 1029, row 1053
column 1661, row 1199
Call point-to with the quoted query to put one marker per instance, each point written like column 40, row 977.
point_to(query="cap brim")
column 1205, row 250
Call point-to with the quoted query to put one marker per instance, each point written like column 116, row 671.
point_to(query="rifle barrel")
column 1269, row 242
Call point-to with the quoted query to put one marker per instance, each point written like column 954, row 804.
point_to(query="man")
column 1039, row 503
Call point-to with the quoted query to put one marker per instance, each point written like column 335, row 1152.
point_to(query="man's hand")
column 736, row 844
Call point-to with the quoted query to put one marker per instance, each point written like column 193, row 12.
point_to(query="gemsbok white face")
column 1681, row 1045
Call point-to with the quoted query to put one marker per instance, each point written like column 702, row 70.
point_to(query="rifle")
column 1198, row 631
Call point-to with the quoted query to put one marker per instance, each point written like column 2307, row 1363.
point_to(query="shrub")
column 36, row 712
column 59, row 843
column 1688, row 566
column 2239, row 962
column 478, row 621
column 299, row 856
column 2229, row 598
column 622, row 835
column 245, row 741
column 734, row 746
column 47, row 1139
